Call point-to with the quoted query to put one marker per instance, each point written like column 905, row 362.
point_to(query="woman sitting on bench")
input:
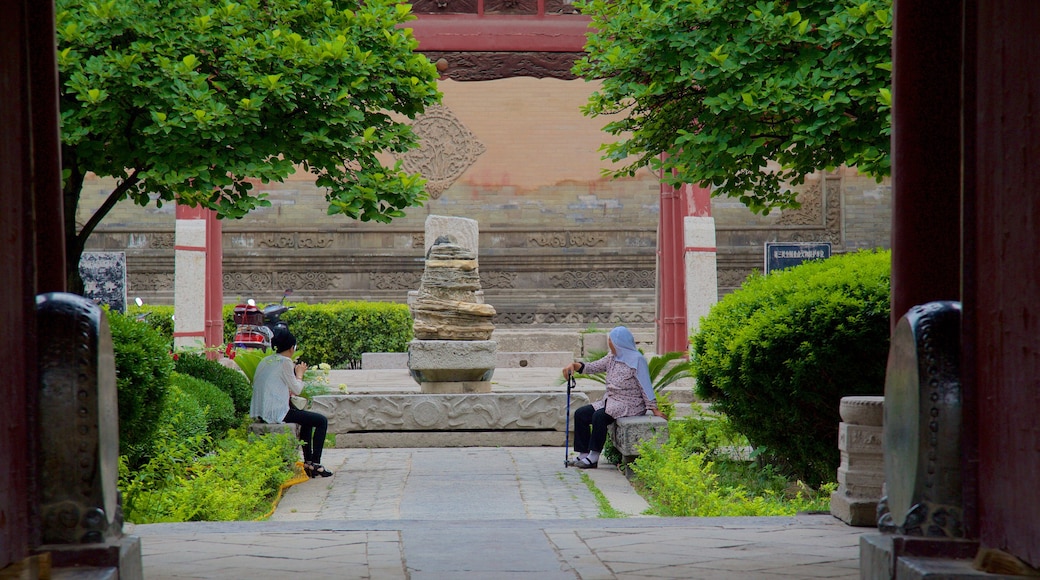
column 629, row 392
column 276, row 379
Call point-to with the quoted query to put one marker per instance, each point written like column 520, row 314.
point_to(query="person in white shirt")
column 276, row 379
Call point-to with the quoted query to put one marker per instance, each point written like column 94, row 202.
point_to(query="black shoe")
column 318, row 470
column 583, row 464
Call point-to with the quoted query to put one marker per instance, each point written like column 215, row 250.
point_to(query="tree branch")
column 110, row 202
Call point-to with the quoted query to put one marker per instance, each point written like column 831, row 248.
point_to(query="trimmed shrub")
column 338, row 332
column 143, row 366
column 182, row 416
column 777, row 355
column 229, row 380
column 157, row 316
column 220, row 411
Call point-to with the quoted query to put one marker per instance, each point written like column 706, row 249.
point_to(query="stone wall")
column 559, row 243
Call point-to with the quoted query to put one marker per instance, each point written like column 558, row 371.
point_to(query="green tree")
column 197, row 100
column 723, row 87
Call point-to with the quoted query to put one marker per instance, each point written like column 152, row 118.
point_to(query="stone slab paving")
column 487, row 513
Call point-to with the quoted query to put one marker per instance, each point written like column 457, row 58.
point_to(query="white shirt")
column 273, row 382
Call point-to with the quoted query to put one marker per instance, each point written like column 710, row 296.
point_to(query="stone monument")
column 452, row 352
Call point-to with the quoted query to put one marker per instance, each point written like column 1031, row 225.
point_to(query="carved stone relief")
column 567, row 239
column 560, row 7
column 486, row 66
column 242, row 281
column 149, row 281
column 447, row 149
column 811, row 212
column 293, row 240
column 628, row 317
column 502, row 280
column 609, row 279
column 395, row 280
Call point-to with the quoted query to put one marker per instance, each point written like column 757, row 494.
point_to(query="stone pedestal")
column 453, row 366
column 862, row 471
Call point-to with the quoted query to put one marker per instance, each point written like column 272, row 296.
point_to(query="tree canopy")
column 197, row 100
column 712, row 91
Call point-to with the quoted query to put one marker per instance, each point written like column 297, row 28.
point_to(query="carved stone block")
column 860, row 439
column 628, row 433
column 457, row 412
column 452, row 360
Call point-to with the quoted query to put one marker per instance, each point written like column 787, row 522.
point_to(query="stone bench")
column 627, row 433
column 267, row 428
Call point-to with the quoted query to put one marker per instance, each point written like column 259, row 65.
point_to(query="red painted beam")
column 500, row 33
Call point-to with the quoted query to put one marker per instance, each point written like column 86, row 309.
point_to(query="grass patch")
column 697, row 473
column 605, row 509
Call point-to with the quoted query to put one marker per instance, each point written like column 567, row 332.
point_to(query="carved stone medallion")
column 447, row 149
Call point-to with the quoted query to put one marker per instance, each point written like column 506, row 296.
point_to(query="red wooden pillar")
column 926, row 153
column 676, row 204
column 211, row 332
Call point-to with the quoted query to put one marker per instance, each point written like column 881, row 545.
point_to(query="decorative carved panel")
column 511, row 7
column 605, row 318
column 395, row 280
column 610, row 279
column 281, row 240
column 567, row 239
column 486, row 66
column 498, row 279
column 560, row 7
column 811, row 212
column 161, row 241
column 447, row 149
column 444, row 6
column 149, row 281
column 278, row 281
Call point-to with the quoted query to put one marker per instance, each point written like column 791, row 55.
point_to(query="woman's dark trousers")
column 313, row 427
column 587, row 417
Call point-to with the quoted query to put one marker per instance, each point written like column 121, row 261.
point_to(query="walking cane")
column 567, row 429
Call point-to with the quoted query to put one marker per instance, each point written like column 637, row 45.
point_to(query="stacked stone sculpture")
column 452, row 352
column 447, row 307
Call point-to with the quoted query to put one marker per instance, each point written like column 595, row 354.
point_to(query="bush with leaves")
column 777, row 356
column 220, row 411
column 143, row 366
column 158, row 316
column 229, row 380
column 186, row 481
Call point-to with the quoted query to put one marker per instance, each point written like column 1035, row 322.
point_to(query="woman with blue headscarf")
column 629, row 392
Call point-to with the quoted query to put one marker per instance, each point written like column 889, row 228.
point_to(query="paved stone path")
column 487, row 513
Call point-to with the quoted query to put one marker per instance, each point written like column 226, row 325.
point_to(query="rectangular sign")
column 780, row 255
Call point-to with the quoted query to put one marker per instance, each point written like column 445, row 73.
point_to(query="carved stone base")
column 440, row 361
column 854, row 511
column 456, row 387
column 456, row 412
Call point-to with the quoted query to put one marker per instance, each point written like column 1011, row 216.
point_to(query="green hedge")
column 777, row 355
column 338, row 332
column 229, row 380
column 143, row 366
